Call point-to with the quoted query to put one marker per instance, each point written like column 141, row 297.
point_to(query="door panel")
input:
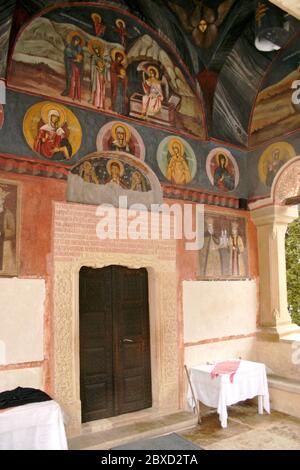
column 114, row 342
column 96, row 349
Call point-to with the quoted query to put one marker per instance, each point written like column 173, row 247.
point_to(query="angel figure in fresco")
column 7, row 235
column 236, row 250
column 118, row 81
column 115, row 169
column 98, row 24
column 98, row 73
column 73, row 56
column 88, row 173
column 223, row 179
column 153, row 97
column 52, row 140
column 204, row 22
column 121, row 30
column 178, row 170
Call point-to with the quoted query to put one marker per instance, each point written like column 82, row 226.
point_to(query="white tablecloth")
column 249, row 381
column 36, row 426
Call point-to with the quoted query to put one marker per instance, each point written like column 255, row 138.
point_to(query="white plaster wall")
column 281, row 358
column 246, row 348
column 29, row 377
column 21, row 320
column 216, row 309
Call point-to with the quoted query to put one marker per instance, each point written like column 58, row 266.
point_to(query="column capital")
column 274, row 214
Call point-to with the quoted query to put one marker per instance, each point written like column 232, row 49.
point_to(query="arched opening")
column 272, row 217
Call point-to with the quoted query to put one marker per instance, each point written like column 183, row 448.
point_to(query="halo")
column 114, row 52
column 114, row 131
column 178, row 142
column 120, row 22
column 95, row 43
column 217, row 156
column 53, row 106
column 156, row 71
column 95, row 16
column 72, row 34
column 115, row 162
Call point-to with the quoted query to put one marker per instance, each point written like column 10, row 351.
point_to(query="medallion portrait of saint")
column 52, row 131
column 222, row 170
column 120, row 137
column 272, row 159
column 176, row 160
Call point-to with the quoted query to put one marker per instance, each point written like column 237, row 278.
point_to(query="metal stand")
column 197, row 406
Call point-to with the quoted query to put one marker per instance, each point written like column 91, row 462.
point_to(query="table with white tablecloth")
column 249, row 380
column 35, row 426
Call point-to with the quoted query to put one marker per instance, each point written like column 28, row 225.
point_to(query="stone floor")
column 246, row 431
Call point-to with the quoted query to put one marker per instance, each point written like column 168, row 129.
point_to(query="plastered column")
column 271, row 222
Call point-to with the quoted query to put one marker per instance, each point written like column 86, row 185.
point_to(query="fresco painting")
column 108, row 169
column 94, row 58
column 272, row 159
column 1, row 116
column 9, row 227
column 222, row 170
column 120, row 137
column 52, row 131
column 225, row 251
column 176, row 160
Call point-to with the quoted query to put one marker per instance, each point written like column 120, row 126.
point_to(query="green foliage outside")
column 292, row 246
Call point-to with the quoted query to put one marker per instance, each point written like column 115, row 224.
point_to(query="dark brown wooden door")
column 115, row 371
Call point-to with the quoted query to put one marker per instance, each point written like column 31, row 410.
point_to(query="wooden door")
column 115, row 372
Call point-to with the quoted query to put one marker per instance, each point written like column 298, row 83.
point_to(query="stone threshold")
column 127, row 428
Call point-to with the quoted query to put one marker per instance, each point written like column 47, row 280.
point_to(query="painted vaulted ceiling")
column 241, row 86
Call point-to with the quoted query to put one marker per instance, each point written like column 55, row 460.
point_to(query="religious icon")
column 224, row 251
column 176, row 160
column 98, row 24
column 118, row 81
column 272, row 159
column 9, row 215
column 121, row 30
column 120, row 137
column 115, row 169
column 73, row 58
column 222, row 170
column 52, row 130
column 98, row 73
column 88, row 173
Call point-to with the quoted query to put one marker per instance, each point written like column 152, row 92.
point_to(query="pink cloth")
column 226, row 367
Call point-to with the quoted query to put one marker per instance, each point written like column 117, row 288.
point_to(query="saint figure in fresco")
column 236, row 249
column 7, row 235
column 115, row 169
column 73, row 56
column 88, row 173
column 223, row 179
column 153, row 97
column 98, row 74
column 120, row 140
column 210, row 260
column 178, row 170
column 121, row 30
column 98, row 24
column 51, row 140
column 137, row 182
column 118, row 81
column 273, row 166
